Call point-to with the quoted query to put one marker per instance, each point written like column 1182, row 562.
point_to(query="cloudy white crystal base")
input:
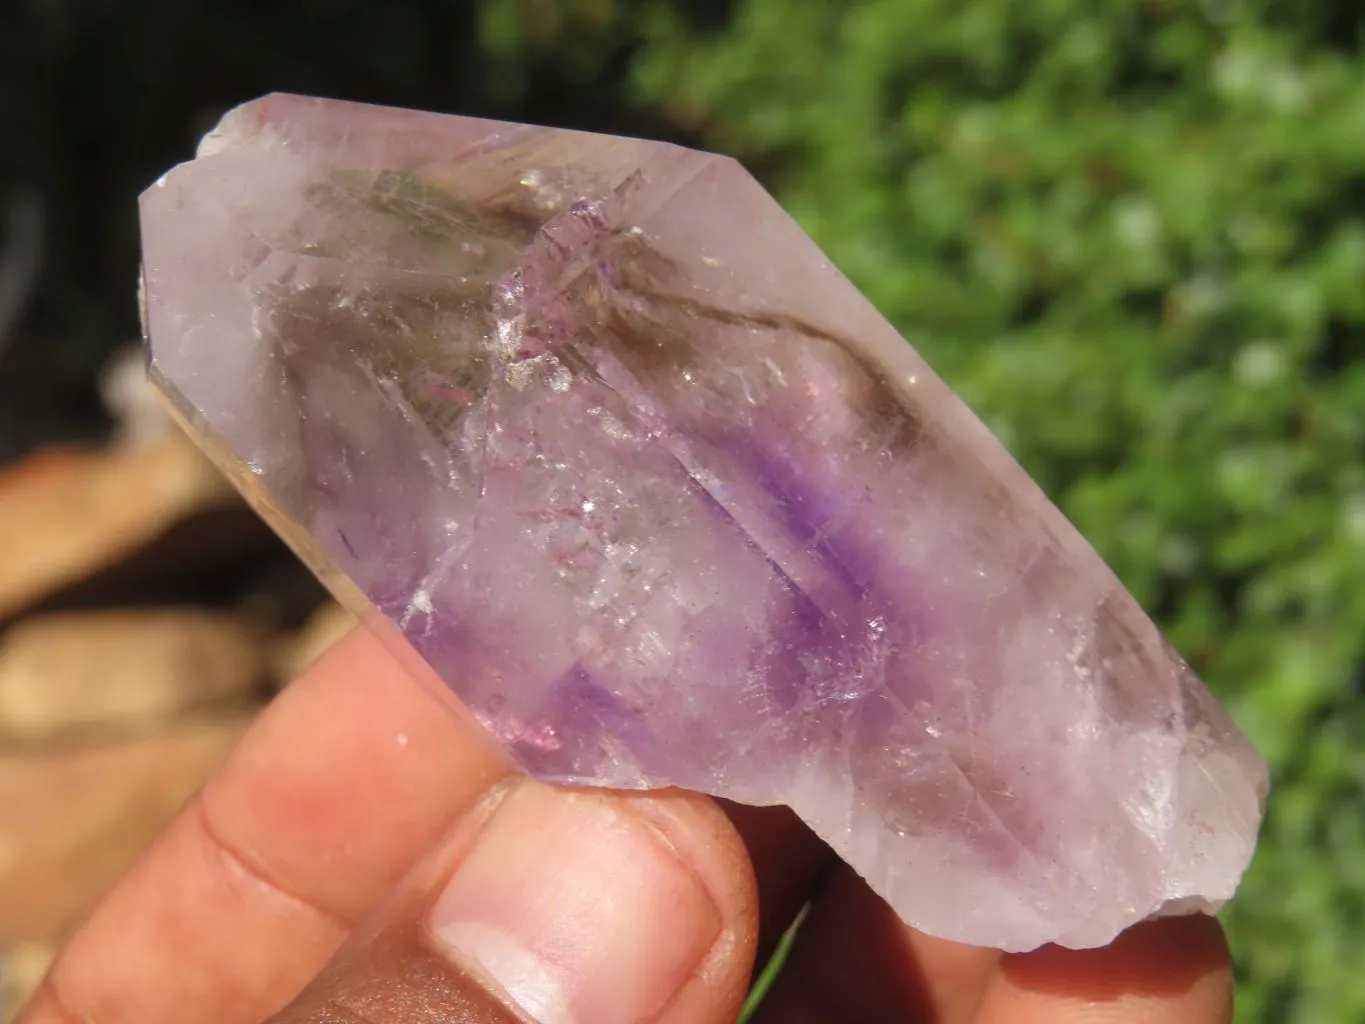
column 590, row 426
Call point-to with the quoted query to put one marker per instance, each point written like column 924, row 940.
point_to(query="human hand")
column 583, row 907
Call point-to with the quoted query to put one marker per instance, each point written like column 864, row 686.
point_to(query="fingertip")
column 1174, row 969
column 605, row 907
column 564, row 907
column 578, row 907
column 1165, row 957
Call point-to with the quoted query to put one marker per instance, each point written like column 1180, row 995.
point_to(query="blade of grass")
column 764, row 982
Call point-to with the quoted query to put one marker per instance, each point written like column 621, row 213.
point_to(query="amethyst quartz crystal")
column 591, row 426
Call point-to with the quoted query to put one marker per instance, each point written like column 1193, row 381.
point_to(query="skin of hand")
column 363, row 831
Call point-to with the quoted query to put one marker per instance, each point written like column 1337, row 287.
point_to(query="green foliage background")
column 1131, row 233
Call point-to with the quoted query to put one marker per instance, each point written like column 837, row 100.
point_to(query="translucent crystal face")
column 590, row 425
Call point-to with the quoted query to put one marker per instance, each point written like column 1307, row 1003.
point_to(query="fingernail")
column 578, row 910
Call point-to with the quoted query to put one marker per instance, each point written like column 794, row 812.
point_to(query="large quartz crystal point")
column 599, row 432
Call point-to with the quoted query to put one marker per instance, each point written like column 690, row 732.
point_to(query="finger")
column 854, row 962
column 1170, row 971
column 566, row 907
column 335, row 791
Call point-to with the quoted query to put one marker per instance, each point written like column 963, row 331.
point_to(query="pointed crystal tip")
column 591, row 426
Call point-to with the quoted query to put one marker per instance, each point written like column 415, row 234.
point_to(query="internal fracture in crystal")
column 593, row 428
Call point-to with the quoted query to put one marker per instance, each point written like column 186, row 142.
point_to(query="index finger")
column 335, row 791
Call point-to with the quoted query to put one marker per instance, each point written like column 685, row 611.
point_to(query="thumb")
column 559, row 907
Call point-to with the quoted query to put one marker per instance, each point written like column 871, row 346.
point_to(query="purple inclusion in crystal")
column 598, row 432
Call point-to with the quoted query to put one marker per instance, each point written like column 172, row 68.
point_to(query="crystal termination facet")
column 591, row 426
